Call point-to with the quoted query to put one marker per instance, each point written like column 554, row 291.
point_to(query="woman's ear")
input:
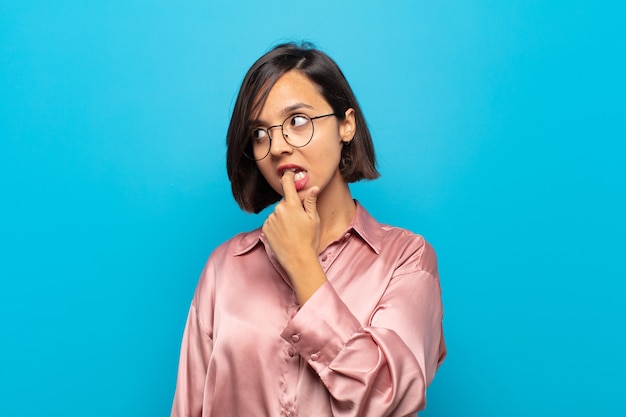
column 347, row 127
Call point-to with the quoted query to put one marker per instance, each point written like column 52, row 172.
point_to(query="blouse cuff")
column 321, row 328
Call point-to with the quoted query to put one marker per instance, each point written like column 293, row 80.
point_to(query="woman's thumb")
column 310, row 201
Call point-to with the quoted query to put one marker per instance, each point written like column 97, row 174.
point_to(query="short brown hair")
column 250, row 189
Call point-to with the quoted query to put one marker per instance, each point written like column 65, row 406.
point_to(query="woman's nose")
column 279, row 144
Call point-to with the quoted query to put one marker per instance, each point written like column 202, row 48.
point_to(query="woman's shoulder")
column 384, row 233
column 403, row 237
column 411, row 249
column 225, row 256
column 400, row 243
column 397, row 232
column 238, row 244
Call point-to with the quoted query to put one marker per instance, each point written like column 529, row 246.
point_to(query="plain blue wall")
column 500, row 130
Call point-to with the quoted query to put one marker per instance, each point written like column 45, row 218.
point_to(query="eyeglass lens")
column 297, row 130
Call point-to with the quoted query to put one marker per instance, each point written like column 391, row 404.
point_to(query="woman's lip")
column 290, row 167
column 302, row 182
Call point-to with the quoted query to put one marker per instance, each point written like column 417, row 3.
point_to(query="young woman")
column 323, row 311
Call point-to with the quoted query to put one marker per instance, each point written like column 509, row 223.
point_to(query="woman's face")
column 317, row 163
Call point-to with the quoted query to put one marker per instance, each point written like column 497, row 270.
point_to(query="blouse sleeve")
column 195, row 353
column 381, row 369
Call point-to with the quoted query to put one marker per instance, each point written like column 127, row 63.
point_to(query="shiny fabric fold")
column 367, row 343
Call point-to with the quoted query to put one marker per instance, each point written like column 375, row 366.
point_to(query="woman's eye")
column 299, row 120
column 258, row 134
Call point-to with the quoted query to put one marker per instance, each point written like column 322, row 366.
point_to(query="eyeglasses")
column 297, row 130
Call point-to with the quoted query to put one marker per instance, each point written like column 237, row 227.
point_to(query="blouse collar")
column 363, row 224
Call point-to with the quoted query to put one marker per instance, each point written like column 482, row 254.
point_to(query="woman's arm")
column 195, row 353
column 382, row 369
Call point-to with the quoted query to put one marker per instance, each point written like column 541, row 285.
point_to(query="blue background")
column 499, row 128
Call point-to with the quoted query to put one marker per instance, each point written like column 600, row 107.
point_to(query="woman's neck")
column 336, row 210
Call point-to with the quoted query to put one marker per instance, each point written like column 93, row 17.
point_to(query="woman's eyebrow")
column 295, row 106
column 284, row 112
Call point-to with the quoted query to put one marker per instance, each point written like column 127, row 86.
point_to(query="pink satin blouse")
column 367, row 343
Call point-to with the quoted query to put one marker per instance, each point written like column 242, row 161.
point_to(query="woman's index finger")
column 289, row 187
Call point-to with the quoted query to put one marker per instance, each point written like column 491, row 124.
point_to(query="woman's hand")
column 293, row 233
